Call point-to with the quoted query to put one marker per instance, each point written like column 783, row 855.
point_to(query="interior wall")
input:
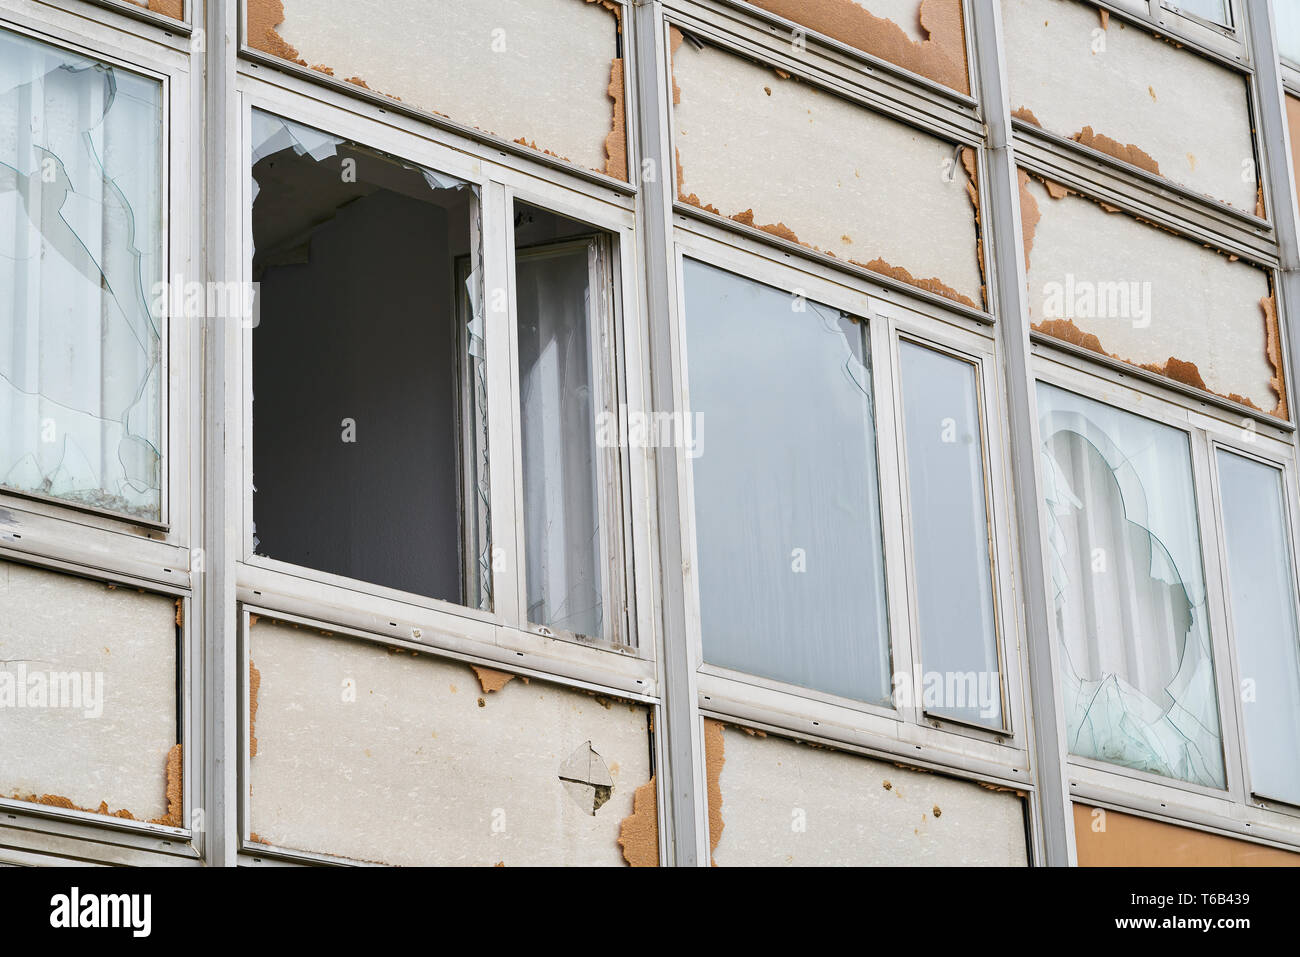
column 1148, row 100
column 111, row 757
column 784, row 803
column 773, row 152
column 381, row 755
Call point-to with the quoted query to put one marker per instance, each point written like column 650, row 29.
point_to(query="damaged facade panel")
column 1112, row 284
column 168, row 8
column 926, row 37
column 544, row 73
column 1293, row 128
column 1105, row 838
column 770, row 152
column 88, row 678
column 381, row 755
column 1132, row 95
column 786, row 803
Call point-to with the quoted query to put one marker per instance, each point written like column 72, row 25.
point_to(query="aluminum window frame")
column 900, row 732
column 500, row 178
column 1206, row 429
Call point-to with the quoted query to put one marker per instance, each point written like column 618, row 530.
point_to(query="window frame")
column 499, row 179
column 906, row 731
column 1208, row 428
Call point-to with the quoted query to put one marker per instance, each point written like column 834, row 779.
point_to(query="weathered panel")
column 544, row 73
column 1107, row 838
column 924, row 36
column 772, row 152
column 1077, row 72
column 1293, row 126
column 1103, row 280
column 88, row 695
column 778, row 802
column 385, row 756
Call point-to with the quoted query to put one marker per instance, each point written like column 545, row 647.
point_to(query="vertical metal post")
column 1054, row 814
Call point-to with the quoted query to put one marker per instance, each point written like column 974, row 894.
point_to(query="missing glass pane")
column 568, row 411
column 950, row 536
column 81, row 256
column 1137, row 668
column 787, row 513
column 1262, row 596
column 369, row 452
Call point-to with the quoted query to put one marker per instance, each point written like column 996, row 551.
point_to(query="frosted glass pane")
column 1262, row 587
column 950, row 537
column 787, row 514
column 1137, row 668
column 80, row 263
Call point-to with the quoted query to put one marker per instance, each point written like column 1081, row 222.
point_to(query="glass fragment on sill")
column 1137, row 667
column 81, row 260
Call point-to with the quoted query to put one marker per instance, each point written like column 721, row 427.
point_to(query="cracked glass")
column 81, row 264
column 786, row 493
column 1128, row 588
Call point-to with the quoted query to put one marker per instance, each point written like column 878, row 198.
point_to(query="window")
column 569, row 421
column 81, row 264
column 950, row 532
column 369, row 459
column 1212, row 11
column 1261, row 592
column 1137, row 666
column 1286, row 13
column 786, row 503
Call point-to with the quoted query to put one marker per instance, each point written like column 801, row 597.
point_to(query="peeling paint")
column 254, row 688
column 638, row 834
column 714, row 758
column 490, row 679
column 1121, row 151
column 941, row 56
column 168, row 8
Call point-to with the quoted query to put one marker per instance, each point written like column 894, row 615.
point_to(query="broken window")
column 950, row 533
column 369, row 426
column 1137, row 667
column 81, row 256
column 787, row 511
column 568, row 413
column 1262, row 596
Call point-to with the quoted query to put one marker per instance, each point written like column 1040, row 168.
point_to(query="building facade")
column 675, row 432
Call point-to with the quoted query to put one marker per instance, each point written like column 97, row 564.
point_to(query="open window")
column 82, row 380
column 571, row 421
column 369, row 425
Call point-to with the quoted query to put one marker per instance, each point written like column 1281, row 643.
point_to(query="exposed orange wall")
column 1131, row 841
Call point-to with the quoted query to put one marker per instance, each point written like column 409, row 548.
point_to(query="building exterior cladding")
column 670, row 432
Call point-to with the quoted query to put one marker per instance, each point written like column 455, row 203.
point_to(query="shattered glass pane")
column 80, row 264
column 787, row 508
column 1137, row 668
column 369, row 418
column 1261, row 581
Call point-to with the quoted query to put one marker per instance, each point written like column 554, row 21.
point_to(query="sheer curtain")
column 80, row 254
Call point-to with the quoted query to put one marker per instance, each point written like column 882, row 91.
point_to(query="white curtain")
column 80, row 254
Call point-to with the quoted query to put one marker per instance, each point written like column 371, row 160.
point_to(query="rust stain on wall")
column 1121, row 151
column 940, row 57
column 490, row 679
column 714, row 758
column 254, row 687
column 638, row 834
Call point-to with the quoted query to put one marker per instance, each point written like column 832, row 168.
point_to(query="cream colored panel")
column 533, row 70
column 1140, row 97
column 783, row 156
column 785, row 803
column 1149, row 297
column 106, row 657
column 388, row 757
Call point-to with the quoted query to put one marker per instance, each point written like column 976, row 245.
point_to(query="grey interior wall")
column 365, row 331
